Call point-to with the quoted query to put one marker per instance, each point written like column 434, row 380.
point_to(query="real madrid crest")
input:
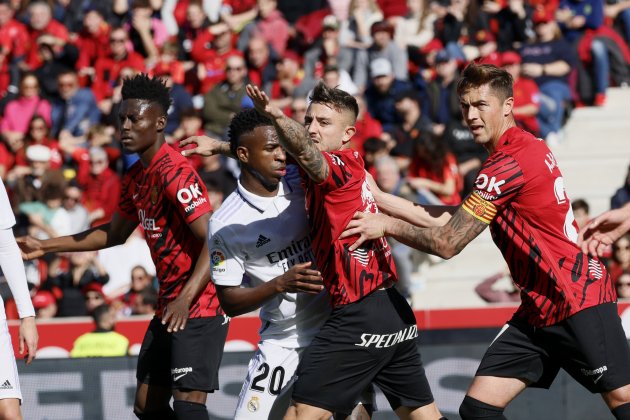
column 154, row 195
column 253, row 405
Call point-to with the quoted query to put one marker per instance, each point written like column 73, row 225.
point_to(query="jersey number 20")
column 275, row 382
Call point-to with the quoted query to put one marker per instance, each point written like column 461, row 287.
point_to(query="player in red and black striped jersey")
column 370, row 334
column 568, row 317
column 182, row 349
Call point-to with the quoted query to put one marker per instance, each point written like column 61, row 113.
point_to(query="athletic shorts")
column 9, row 383
column 187, row 359
column 369, row 341
column 590, row 345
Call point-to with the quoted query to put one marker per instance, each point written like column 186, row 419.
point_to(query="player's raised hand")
column 604, row 230
column 367, row 225
column 31, row 248
column 28, row 339
column 205, row 146
column 176, row 314
column 300, row 278
column 262, row 103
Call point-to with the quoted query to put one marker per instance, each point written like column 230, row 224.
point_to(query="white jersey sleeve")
column 7, row 219
column 226, row 260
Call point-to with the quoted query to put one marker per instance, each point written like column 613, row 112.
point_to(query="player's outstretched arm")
column 110, row 234
column 604, row 230
column 236, row 300
column 205, row 146
column 177, row 311
column 445, row 241
column 292, row 135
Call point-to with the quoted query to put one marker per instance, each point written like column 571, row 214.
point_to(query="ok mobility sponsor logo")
column 179, row 373
column 192, row 195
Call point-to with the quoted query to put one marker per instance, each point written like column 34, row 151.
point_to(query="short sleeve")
column 188, row 193
column 498, row 182
column 226, row 263
column 344, row 166
column 126, row 206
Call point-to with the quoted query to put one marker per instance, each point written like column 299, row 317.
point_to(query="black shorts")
column 590, row 345
column 369, row 341
column 187, row 359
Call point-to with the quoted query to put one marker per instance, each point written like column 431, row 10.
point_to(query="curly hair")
column 245, row 122
column 143, row 87
column 336, row 98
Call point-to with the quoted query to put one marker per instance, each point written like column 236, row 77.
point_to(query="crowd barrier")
column 451, row 345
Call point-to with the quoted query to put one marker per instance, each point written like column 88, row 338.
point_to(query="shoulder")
column 229, row 210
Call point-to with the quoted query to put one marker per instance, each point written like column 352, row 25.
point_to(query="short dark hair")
column 476, row 75
column 143, row 87
column 245, row 122
column 373, row 145
column 579, row 204
column 336, row 98
column 99, row 312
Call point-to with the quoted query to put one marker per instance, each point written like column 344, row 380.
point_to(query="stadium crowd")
column 62, row 64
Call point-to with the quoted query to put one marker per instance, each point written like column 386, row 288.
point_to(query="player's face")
column 263, row 156
column 140, row 124
column 485, row 114
column 328, row 128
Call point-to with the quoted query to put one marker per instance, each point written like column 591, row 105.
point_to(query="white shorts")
column 9, row 384
column 266, row 393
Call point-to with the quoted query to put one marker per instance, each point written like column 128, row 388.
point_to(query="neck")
column 147, row 156
column 253, row 182
column 492, row 145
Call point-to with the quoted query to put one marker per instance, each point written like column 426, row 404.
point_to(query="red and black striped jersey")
column 165, row 198
column 520, row 192
column 348, row 276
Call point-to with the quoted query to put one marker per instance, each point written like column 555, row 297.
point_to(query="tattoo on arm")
column 294, row 137
column 445, row 241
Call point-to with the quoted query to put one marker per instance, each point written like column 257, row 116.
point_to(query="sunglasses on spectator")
column 69, row 197
column 98, row 161
column 117, row 40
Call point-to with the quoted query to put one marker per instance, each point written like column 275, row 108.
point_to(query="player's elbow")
column 448, row 250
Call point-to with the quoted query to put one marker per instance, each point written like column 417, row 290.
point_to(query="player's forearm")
column 430, row 240
column 237, row 300
column 199, row 278
column 414, row 213
column 93, row 239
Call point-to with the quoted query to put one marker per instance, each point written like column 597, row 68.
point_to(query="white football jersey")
column 261, row 238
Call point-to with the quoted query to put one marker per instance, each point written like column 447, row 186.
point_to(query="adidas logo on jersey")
column 6, row 385
column 262, row 241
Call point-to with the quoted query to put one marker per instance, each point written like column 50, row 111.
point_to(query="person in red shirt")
column 101, row 188
column 41, row 23
column 371, row 329
column 568, row 317
column 163, row 194
column 526, row 94
column 93, row 42
column 211, row 50
column 14, row 40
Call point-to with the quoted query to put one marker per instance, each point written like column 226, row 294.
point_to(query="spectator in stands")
column 14, row 41
column 79, row 217
column 463, row 17
column 485, row 45
column 334, row 77
column 93, row 41
column 327, row 50
column 146, row 33
column 39, row 133
column 54, row 61
column 103, row 341
column 444, row 102
column 488, row 291
column 48, row 219
column 45, row 304
column 469, row 155
column 19, row 112
column 362, row 15
column 580, row 212
column 382, row 92
column 620, row 260
column 260, row 63
column 76, row 110
column 211, row 51
column 434, row 173
column 298, row 109
column 145, row 302
column 548, row 61
column 191, row 125
column 382, row 47
column 193, row 27
column 526, row 94
column 619, row 12
column 99, row 135
column 367, row 126
column 290, row 81
column 215, row 171
column 270, row 25
column 94, row 296
column 622, row 195
column 171, row 71
column 513, row 23
column 101, row 187
column 227, row 98
column 373, row 149
column 622, row 284
column 43, row 29
column 416, row 29
column 140, row 279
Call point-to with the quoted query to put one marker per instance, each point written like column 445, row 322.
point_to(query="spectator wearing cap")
column 327, row 51
column 19, row 111
column 14, row 40
column 101, row 187
column 210, row 51
column 93, row 42
column 103, row 341
column 526, row 94
column 383, row 46
column 362, row 15
column 45, row 304
column 43, row 29
column 93, row 294
column 442, row 92
column 548, row 61
column 269, row 24
column 484, row 44
column 416, row 29
column 382, row 91
column 76, row 110
column 226, row 98
column 260, row 63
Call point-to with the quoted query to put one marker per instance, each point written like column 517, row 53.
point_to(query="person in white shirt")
column 260, row 233
column 13, row 269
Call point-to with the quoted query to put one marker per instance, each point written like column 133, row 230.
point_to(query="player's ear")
column 161, row 123
column 348, row 133
column 508, row 104
column 242, row 154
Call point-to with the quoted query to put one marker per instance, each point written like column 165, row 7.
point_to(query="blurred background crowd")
column 62, row 64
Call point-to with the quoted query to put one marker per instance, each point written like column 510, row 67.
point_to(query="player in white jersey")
column 13, row 269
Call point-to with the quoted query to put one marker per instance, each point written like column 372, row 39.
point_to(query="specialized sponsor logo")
column 147, row 223
column 262, row 240
column 490, row 184
column 179, row 373
column 388, row 340
column 6, row 385
column 217, row 261
column 253, row 404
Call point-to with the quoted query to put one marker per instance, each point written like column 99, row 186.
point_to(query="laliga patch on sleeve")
column 479, row 208
column 217, row 261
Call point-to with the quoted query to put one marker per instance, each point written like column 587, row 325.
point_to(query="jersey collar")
column 261, row 203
